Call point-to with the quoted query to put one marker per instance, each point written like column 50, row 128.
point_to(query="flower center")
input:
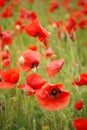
column 54, row 92
column 34, row 65
column 1, row 80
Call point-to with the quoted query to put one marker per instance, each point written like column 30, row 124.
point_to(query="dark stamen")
column 54, row 92
column 33, row 65
column 0, row 79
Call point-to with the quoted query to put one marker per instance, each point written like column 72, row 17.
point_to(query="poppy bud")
column 34, row 70
column 17, row 27
column 21, row 60
column 54, row 56
column 77, row 77
column 54, row 25
column 79, row 105
column 6, row 48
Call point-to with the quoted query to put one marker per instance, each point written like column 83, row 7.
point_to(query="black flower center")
column 34, row 65
column 1, row 80
column 54, row 92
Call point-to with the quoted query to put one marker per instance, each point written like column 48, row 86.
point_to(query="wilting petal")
column 54, row 67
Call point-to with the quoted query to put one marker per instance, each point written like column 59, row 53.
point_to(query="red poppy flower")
column 57, row 24
column 49, row 52
column 79, row 105
column 15, row 2
column 77, row 14
column 70, row 25
column 80, row 123
column 9, row 78
column 54, row 67
column 6, row 38
column 2, row 3
column 66, row 4
column 53, row 6
column 33, row 83
column 35, row 29
column 33, row 48
column 53, row 97
column 31, row 60
column 84, row 10
column 8, row 12
column 6, row 58
column 27, row 15
column 31, row 1
column 82, row 3
column 18, row 27
column 83, row 23
column 0, row 29
column 0, row 74
column 82, row 81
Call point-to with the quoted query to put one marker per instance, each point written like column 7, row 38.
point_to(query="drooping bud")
column 21, row 60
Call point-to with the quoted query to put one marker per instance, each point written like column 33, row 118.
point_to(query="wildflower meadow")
column 43, row 64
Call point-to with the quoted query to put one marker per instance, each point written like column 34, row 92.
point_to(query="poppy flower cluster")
column 47, row 94
column 50, row 96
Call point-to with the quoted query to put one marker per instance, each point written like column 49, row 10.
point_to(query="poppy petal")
column 35, row 81
column 6, row 85
column 54, row 67
column 50, row 102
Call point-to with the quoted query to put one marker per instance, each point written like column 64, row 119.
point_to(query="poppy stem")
column 66, row 72
column 54, row 121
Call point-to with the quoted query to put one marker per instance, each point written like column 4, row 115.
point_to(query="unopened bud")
column 34, row 70
column 6, row 48
column 77, row 77
column 17, row 27
column 21, row 60
column 54, row 25
column 54, row 56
